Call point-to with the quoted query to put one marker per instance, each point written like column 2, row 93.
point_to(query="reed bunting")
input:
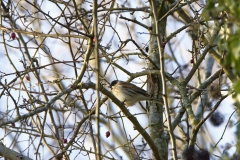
column 130, row 93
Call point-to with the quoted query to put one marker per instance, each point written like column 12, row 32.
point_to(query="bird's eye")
column 113, row 83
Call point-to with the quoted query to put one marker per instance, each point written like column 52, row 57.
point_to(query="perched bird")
column 130, row 93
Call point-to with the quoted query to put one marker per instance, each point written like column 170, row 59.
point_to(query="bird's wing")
column 133, row 88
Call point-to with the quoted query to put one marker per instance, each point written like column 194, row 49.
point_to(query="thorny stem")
column 97, row 70
column 164, row 91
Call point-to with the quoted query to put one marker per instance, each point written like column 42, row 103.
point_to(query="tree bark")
column 155, row 113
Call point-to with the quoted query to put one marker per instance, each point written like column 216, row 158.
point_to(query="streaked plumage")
column 130, row 93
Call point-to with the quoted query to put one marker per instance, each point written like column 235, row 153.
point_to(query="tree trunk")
column 156, row 127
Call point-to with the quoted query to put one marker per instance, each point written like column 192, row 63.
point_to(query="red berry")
column 71, row 86
column 94, row 39
column 13, row 35
column 64, row 140
column 192, row 61
column 13, row 124
column 107, row 134
column 27, row 78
